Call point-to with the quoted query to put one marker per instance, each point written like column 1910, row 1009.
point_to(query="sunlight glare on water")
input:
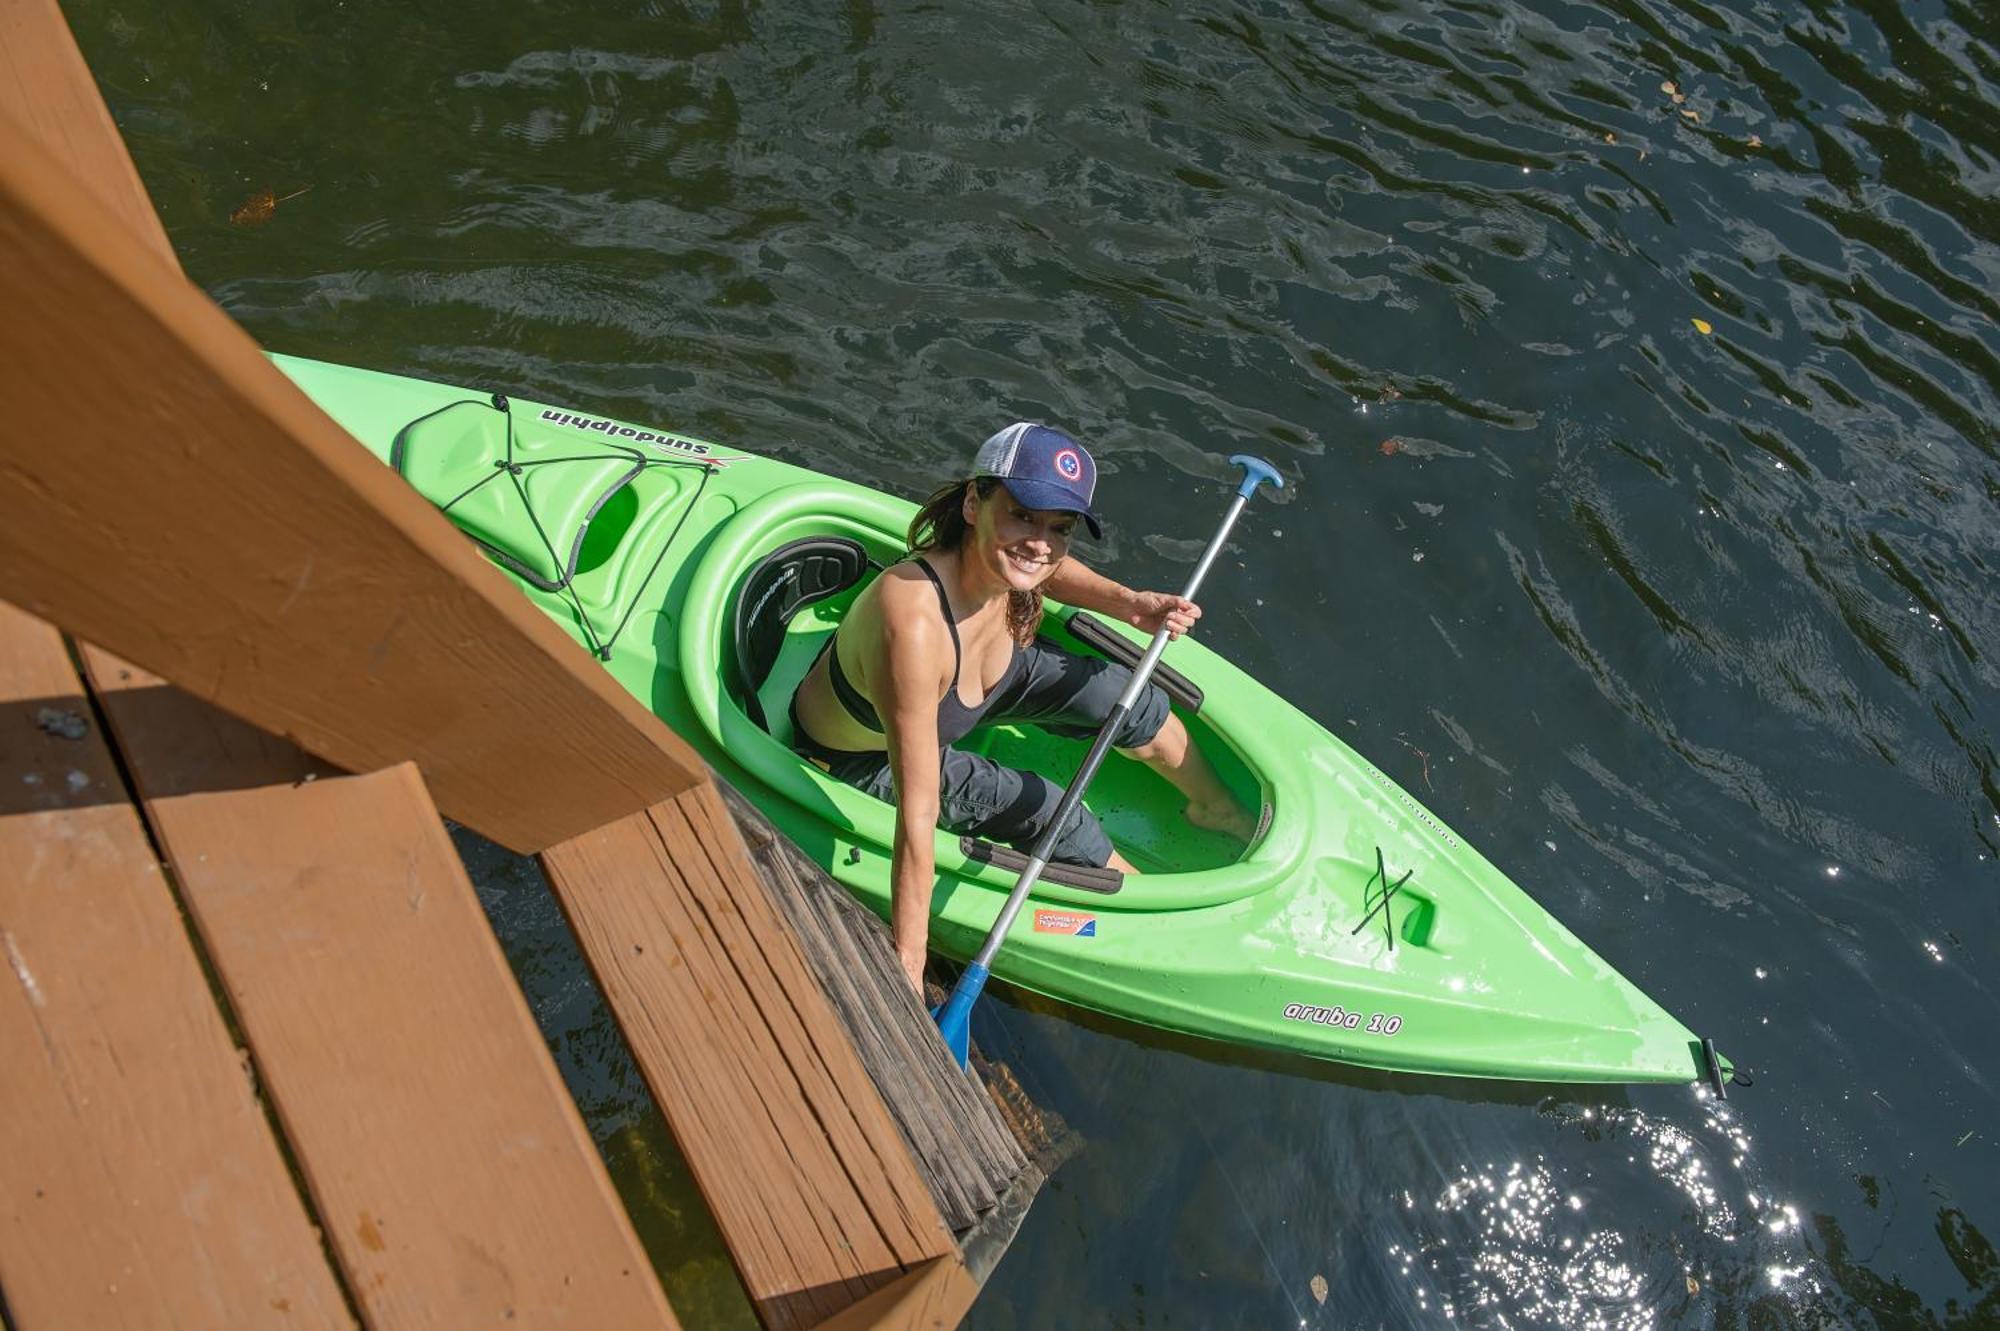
column 1520, row 1239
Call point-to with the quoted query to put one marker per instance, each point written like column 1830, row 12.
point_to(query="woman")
column 945, row 641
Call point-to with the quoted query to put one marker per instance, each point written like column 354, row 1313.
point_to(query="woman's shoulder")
column 900, row 601
column 905, row 588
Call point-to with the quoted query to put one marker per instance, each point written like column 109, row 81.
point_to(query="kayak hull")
column 1286, row 946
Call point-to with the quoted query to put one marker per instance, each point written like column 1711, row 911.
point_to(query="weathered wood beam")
column 171, row 496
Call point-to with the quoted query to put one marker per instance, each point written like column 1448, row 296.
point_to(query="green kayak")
column 1356, row 926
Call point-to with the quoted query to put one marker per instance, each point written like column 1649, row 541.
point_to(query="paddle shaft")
column 1073, row 794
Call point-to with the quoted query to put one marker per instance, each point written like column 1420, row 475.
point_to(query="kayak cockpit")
column 794, row 598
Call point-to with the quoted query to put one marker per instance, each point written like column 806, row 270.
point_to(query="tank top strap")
column 944, row 604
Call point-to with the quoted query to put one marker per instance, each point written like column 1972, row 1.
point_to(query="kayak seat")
column 793, row 576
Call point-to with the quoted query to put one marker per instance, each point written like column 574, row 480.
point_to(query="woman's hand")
column 1153, row 611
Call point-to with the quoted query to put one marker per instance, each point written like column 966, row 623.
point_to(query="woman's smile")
column 1028, row 561
column 1025, row 544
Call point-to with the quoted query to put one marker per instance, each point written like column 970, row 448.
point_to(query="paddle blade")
column 954, row 1015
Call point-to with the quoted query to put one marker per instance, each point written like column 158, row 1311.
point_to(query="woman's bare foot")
column 1224, row 816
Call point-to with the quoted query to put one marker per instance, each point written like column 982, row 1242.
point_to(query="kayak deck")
column 1285, row 944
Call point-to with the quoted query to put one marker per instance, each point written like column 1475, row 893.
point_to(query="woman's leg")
column 979, row 797
column 1173, row 753
column 1073, row 695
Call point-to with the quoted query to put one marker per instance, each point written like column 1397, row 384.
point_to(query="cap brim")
column 1049, row 496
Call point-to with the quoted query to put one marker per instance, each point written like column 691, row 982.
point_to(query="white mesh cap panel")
column 996, row 455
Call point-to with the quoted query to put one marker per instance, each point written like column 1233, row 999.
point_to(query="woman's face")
column 1021, row 546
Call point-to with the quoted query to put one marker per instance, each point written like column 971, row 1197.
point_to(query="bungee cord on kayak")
column 565, row 569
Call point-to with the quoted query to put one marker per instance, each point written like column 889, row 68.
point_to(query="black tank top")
column 954, row 719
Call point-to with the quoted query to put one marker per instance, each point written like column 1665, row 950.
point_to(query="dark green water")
column 1693, row 631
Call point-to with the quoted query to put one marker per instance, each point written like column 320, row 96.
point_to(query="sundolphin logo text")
column 614, row 430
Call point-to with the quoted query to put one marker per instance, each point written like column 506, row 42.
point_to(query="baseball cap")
column 1043, row 468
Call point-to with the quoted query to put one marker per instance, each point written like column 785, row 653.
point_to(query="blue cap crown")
column 1043, row 468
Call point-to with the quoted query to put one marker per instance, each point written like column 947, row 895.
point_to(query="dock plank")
column 140, row 1184
column 721, row 1009
column 931, row 1297
column 456, row 1178
column 749, row 1146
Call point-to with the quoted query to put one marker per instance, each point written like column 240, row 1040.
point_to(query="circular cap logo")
column 1069, row 464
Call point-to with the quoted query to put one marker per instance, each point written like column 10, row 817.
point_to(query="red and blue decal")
column 1065, row 922
column 1069, row 464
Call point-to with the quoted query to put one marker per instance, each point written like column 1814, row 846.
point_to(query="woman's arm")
column 907, row 680
column 1074, row 583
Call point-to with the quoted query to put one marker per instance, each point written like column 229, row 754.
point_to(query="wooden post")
column 45, row 85
column 170, row 496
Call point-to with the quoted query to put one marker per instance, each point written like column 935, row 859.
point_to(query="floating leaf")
column 1609, row 137
column 1694, row 1286
column 1319, row 1289
column 1391, row 447
column 1756, row 142
column 1669, row 89
column 1703, row 326
column 1679, row 97
column 1691, row 114
column 257, row 209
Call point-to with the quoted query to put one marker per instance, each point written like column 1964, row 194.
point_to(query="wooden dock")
column 268, row 1065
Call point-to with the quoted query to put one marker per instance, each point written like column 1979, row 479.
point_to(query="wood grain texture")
column 931, row 1297
column 456, row 1180
column 951, row 1126
column 140, row 1185
column 46, row 88
column 341, row 611
column 813, row 1190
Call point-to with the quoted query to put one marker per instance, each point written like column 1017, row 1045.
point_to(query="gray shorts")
column 1057, row 690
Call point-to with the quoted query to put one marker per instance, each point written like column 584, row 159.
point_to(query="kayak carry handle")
column 1712, row 1062
column 1256, row 472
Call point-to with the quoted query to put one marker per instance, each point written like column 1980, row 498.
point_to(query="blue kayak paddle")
column 954, row 1015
